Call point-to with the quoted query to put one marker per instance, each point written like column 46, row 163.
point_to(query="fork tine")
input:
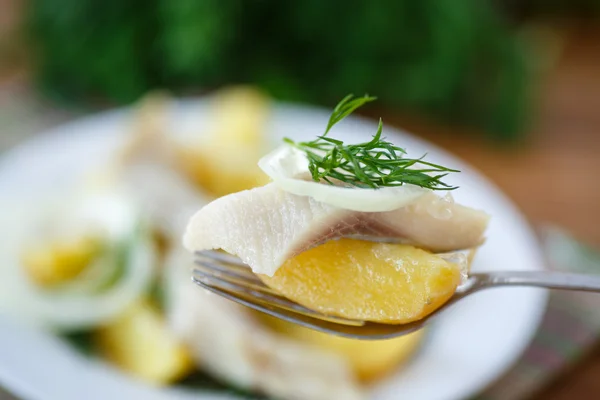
column 246, row 278
column 289, row 315
column 263, row 295
column 227, row 276
column 217, row 266
column 368, row 331
column 276, row 312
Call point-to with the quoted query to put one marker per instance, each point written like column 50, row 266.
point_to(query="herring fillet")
column 263, row 226
column 266, row 226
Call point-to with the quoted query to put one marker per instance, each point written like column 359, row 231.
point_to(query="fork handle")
column 545, row 279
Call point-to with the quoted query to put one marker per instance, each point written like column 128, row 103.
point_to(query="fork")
column 229, row 277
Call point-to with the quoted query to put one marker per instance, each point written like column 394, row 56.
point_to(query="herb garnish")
column 374, row 164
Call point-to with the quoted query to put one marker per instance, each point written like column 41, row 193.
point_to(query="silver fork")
column 229, row 277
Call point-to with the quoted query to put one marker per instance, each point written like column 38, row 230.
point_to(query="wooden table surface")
column 554, row 176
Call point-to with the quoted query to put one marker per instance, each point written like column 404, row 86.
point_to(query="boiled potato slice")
column 387, row 283
column 370, row 360
column 239, row 116
column 214, row 172
column 139, row 343
column 227, row 162
column 60, row 261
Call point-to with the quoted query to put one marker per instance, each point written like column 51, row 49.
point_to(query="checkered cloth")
column 569, row 329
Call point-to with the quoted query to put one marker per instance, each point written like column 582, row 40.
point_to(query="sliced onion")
column 287, row 165
column 78, row 307
column 68, row 311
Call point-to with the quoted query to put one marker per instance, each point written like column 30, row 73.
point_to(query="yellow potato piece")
column 239, row 114
column 220, row 173
column 139, row 343
column 227, row 162
column 370, row 360
column 58, row 262
column 387, row 283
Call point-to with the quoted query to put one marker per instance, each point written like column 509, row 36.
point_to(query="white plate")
column 467, row 348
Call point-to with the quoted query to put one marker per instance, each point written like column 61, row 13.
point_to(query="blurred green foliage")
column 455, row 60
column 581, row 9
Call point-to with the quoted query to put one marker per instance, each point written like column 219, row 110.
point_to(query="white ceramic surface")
column 467, row 348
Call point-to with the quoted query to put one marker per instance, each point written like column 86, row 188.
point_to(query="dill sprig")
column 373, row 164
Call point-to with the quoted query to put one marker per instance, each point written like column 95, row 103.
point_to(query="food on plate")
column 231, row 343
column 369, row 359
column 58, row 262
column 315, row 233
column 139, row 342
column 100, row 259
column 75, row 260
column 224, row 161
